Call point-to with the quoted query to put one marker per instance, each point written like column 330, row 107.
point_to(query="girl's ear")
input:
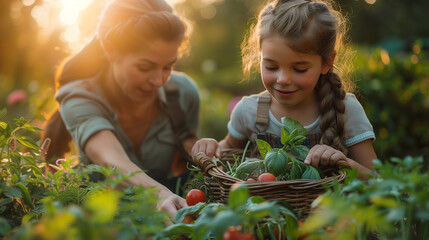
column 328, row 65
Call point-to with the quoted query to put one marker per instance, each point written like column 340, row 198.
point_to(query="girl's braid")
column 331, row 98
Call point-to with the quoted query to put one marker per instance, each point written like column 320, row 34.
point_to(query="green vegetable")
column 311, row 173
column 298, row 168
column 277, row 161
column 249, row 167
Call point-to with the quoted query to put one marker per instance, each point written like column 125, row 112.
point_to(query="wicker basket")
column 298, row 193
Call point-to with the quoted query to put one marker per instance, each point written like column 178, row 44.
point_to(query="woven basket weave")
column 298, row 193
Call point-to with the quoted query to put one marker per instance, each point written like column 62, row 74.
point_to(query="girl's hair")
column 124, row 26
column 312, row 27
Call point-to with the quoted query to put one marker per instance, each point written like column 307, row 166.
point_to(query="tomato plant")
column 266, row 177
column 195, row 196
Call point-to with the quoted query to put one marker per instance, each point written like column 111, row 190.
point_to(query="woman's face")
column 139, row 74
column 288, row 75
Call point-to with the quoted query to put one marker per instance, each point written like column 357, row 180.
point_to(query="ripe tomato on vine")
column 195, row 196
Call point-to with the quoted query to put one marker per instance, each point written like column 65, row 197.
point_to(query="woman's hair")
column 124, row 26
column 312, row 27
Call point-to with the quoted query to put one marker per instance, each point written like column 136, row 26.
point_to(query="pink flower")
column 16, row 97
column 232, row 104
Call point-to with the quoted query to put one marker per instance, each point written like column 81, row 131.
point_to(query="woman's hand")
column 171, row 203
column 209, row 146
column 323, row 156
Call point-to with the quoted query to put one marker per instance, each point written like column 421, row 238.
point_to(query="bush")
column 394, row 91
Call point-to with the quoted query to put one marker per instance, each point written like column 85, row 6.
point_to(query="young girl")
column 296, row 42
column 114, row 97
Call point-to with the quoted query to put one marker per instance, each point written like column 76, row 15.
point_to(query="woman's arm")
column 103, row 148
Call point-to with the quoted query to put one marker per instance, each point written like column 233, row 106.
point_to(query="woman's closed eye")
column 144, row 68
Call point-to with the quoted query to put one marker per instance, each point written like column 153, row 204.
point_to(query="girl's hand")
column 323, row 156
column 209, row 146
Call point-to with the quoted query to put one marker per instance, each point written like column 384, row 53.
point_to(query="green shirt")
column 85, row 111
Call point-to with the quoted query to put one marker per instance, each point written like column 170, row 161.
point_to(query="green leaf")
column 248, row 168
column 290, row 125
column 263, row 147
column 5, row 228
column 32, row 128
column 285, row 136
column 298, row 140
column 238, row 196
column 300, row 151
column 3, row 125
column 13, row 192
column 176, row 230
column 311, row 173
column 298, row 168
column 27, row 198
column 28, row 142
column 14, row 178
column 223, row 220
column 188, row 210
column 276, row 161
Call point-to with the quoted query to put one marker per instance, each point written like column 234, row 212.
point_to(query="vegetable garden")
column 392, row 85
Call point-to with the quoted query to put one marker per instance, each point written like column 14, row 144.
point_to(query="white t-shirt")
column 242, row 124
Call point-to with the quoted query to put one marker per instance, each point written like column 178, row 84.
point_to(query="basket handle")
column 203, row 162
column 342, row 164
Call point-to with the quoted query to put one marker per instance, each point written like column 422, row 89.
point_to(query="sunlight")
column 71, row 10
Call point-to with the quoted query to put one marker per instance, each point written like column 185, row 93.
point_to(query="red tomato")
column 233, row 234
column 266, row 177
column 195, row 196
column 188, row 219
column 251, row 180
column 302, row 235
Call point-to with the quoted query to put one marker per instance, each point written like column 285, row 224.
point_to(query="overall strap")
column 262, row 113
column 177, row 117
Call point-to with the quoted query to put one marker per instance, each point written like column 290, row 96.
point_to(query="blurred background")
column 389, row 38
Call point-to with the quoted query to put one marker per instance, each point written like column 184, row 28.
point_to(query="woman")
column 114, row 99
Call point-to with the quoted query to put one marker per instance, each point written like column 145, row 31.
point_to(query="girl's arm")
column 103, row 148
column 363, row 155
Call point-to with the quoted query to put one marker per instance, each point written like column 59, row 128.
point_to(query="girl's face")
column 288, row 75
column 139, row 74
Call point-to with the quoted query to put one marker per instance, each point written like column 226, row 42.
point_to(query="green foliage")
column 39, row 204
column 286, row 163
column 394, row 92
column 391, row 205
column 251, row 214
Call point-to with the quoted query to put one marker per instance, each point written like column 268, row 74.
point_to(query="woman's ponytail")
column 85, row 64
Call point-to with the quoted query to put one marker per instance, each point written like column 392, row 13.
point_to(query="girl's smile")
column 290, row 76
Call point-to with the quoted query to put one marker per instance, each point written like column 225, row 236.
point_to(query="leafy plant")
column 39, row 204
column 391, row 205
column 249, row 214
column 286, row 163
